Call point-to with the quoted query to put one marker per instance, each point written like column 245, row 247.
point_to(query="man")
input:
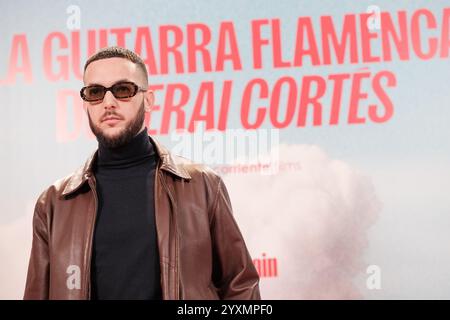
column 135, row 222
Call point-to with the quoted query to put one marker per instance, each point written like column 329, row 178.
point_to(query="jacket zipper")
column 177, row 293
column 89, row 257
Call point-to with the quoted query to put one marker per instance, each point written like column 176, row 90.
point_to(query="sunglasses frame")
column 135, row 86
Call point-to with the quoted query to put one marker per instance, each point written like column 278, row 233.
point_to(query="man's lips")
column 111, row 120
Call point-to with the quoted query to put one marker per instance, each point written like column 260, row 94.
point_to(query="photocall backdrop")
column 328, row 121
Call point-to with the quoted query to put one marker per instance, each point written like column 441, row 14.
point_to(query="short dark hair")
column 118, row 52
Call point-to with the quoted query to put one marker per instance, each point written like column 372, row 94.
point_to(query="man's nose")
column 109, row 101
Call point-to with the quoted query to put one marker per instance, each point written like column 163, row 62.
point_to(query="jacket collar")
column 166, row 163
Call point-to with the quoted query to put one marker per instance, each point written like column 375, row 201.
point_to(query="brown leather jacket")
column 202, row 252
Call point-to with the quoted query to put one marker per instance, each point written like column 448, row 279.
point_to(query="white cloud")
column 313, row 220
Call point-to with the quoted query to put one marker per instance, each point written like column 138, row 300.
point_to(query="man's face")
column 116, row 121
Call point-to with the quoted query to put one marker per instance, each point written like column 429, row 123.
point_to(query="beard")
column 131, row 129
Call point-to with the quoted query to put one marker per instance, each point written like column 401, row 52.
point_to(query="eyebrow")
column 118, row 81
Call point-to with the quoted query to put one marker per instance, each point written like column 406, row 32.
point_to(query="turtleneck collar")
column 138, row 150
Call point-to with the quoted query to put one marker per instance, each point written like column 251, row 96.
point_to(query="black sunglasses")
column 120, row 90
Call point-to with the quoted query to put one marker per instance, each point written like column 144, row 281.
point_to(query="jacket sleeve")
column 234, row 274
column 37, row 283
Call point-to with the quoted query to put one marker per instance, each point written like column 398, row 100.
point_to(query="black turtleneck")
column 125, row 260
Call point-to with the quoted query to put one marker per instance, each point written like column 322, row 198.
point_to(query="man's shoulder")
column 58, row 188
column 202, row 178
column 195, row 170
column 53, row 192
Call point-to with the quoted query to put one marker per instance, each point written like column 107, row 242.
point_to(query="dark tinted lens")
column 124, row 90
column 94, row 93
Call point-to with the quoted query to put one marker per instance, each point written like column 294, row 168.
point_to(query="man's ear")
column 148, row 100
